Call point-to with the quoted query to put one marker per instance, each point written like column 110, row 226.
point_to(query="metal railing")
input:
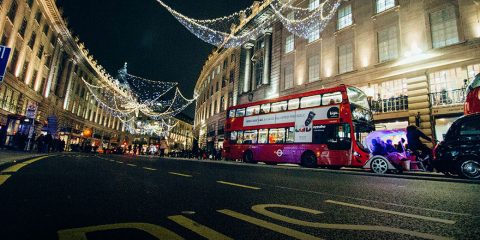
column 448, row 97
column 394, row 104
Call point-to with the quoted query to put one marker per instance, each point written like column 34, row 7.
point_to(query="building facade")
column 47, row 69
column 412, row 58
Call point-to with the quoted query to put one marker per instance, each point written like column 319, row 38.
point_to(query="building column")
column 53, row 68
column 248, row 67
column 266, row 57
column 419, row 104
column 68, row 79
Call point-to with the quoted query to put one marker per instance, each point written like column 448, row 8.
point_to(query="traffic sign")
column 4, row 55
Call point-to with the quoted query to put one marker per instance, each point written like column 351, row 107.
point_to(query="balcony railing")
column 395, row 104
column 448, row 97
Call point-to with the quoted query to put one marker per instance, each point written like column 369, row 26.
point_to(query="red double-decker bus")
column 325, row 128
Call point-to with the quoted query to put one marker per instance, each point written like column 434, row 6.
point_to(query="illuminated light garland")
column 218, row 31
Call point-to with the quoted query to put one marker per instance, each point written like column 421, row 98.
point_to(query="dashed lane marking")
column 432, row 219
column 268, row 225
column 180, row 174
column 4, row 178
column 238, row 185
column 197, row 228
column 150, row 169
column 119, row 162
column 19, row 166
column 131, row 165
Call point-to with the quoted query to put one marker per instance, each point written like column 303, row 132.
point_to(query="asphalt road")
column 77, row 197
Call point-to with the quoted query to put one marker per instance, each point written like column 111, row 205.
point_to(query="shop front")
column 391, row 124
column 443, row 118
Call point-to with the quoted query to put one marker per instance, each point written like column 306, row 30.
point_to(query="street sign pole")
column 31, row 114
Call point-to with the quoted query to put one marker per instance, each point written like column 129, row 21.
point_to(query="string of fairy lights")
column 140, row 107
column 223, row 31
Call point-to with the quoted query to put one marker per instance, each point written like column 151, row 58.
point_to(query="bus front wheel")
column 309, row 160
column 248, row 157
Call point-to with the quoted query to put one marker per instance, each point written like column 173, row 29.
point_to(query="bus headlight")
column 356, row 154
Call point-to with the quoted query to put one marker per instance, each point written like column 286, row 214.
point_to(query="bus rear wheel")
column 309, row 160
column 248, row 157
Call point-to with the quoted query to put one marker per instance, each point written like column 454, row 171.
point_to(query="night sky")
column 144, row 34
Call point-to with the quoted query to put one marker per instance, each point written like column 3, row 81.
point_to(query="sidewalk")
column 7, row 156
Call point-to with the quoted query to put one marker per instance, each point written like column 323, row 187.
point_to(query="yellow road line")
column 19, row 166
column 131, row 165
column 268, row 225
column 180, row 174
column 151, row 169
column 197, row 228
column 3, row 178
column 238, row 185
column 432, row 219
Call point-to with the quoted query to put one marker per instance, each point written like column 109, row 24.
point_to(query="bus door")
column 337, row 139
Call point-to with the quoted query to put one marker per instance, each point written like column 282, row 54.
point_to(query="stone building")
column 412, row 58
column 45, row 69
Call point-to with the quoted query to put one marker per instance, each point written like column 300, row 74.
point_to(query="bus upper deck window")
column 279, row 106
column 240, row 112
column 293, row 104
column 331, row 98
column 311, row 101
column 265, row 108
column 231, row 114
column 253, row 110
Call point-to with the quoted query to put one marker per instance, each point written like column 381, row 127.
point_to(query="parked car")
column 459, row 152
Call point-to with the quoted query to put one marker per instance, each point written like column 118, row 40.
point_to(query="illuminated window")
column 443, row 24
column 314, row 68
column 314, row 35
column 279, row 106
column 345, row 58
column 344, row 17
column 293, row 104
column 383, row 5
column 263, row 136
column 447, row 80
column 313, row 4
column 387, row 44
column 290, row 138
column 289, row 43
column 331, row 98
column 276, row 136
column 253, row 110
column 311, row 101
column 288, row 76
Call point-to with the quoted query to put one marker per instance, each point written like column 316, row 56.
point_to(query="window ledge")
column 392, row 9
column 345, row 73
column 352, row 26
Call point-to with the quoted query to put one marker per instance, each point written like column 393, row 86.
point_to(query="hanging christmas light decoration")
column 223, row 31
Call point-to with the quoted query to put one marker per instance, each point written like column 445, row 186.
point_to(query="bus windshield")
column 357, row 97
